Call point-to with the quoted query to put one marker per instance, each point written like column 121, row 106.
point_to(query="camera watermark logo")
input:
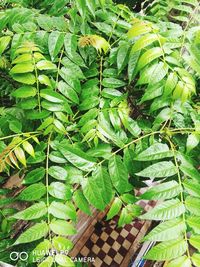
column 23, row 256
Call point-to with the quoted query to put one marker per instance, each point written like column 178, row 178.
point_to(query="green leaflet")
column 144, row 41
column 194, row 223
column 154, row 152
column 58, row 173
column 128, row 214
column 64, row 260
column 60, row 190
column 24, row 92
column 183, row 261
column 40, row 250
column 192, row 187
column 61, row 243
column 196, row 259
column 195, row 241
column 22, row 68
column 167, row 210
column 115, row 208
column 162, row 191
column 81, row 202
column 193, row 205
column 33, row 192
column 190, row 171
column 34, row 212
column 167, row 250
column 160, row 169
column 118, row 174
column 35, row 232
column 61, row 227
column 62, row 211
column 55, row 43
column 77, row 157
column 166, row 231
column 93, row 193
column 149, row 56
column 47, row 262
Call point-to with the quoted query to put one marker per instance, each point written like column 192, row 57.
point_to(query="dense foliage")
column 96, row 100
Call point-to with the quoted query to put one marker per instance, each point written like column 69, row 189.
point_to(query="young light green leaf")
column 28, row 148
column 194, row 223
column 64, row 260
column 192, row 187
column 81, row 202
column 24, row 92
column 192, row 141
column 19, row 153
column 149, row 56
column 196, row 259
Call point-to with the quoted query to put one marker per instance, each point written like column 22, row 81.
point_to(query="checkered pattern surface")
column 109, row 244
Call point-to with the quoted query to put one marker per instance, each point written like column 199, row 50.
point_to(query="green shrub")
column 101, row 100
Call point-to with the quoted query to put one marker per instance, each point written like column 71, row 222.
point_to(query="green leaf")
column 118, row 174
column 52, row 96
column 166, row 231
column 81, row 202
column 138, row 29
column 144, row 41
column 35, row 232
column 167, row 210
column 122, row 56
column 194, row 223
column 167, row 250
column 149, row 56
column 60, row 190
column 64, row 260
column 195, row 241
column 61, row 227
column 40, row 250
column 128, row 214
column 193, row 205
column 196, row 259
column 132, row 63
column 162, row 191
column 55, row 43
column 27, row 78
column 22, row 68
column 103, row 182
column 48, row 262
column 77, row 157
column 28, row 148
column 24, row 92
column 4, row 42
column 192, row 141
column 19, row 153
column 46, row 65
column 192, row 187
column 58, row 173
column 33, row 192
column 34, row 212
column 93, row 193
column 154, row 152
column 68, row 91
column 112, row 83
column 160, row 169
column 183, row 261
column 115, row 208
column 62, row 211
column 61, row 243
